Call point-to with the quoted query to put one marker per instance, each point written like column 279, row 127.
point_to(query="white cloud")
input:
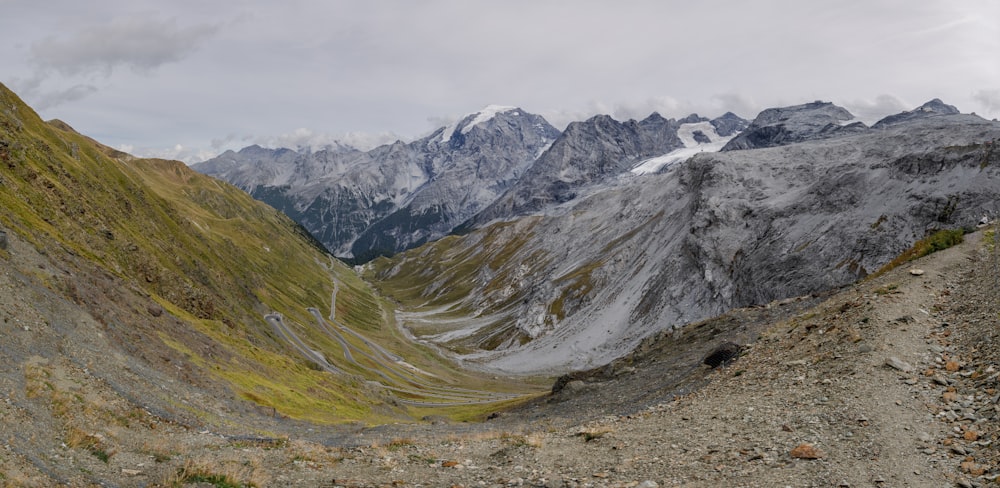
column 178, row 152
column 303, row 138
column 871, row 111
column 990, row 100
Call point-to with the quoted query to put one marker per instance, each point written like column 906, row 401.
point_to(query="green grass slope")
column 215, row 261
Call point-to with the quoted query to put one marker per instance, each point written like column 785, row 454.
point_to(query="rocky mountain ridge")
column 589, row 152
column 500, row 162
column 397, row 196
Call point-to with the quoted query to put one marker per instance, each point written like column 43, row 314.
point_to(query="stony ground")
column 891, row 382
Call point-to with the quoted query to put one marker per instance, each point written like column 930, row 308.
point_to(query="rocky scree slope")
column 583, row 283
column 394, row 197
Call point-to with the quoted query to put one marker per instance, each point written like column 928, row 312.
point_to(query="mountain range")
column 155, row 318
column 394, row 197
column 500, row 162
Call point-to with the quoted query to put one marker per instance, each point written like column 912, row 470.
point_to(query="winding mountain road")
column 405, row 381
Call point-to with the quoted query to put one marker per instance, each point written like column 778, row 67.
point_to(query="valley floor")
column 891, row 382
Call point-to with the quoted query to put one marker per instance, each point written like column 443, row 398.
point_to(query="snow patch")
column 485, row 115
column 449, row 131
column 691, row 147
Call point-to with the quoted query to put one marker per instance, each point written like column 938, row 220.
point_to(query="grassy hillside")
column 214, row 260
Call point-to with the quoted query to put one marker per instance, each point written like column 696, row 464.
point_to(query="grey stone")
column 896, row 363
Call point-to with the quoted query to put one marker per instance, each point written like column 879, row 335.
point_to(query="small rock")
column 896, row 363
column 806, row 451
column 951, row 366
column 154, row 309
column 971, row 435
column 865, row 348
column 916, row 271
column 963, row 483
column 648, row 484
column 131, row 472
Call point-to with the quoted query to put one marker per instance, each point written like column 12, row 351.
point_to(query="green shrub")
column 940, row 240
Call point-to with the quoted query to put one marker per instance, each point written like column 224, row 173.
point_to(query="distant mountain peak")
column 932, row 108
column 465, row 124
column 937, row 106
column 787, row 125
column 692, row 119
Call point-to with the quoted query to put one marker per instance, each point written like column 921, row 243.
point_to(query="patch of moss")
column 938, row 241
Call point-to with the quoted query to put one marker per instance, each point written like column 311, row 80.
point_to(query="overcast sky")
column 189, row 79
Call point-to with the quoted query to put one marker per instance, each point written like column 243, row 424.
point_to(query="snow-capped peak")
column 480, row 117
column 485, row 115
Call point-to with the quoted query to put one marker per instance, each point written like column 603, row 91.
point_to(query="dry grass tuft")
column 93, row 443
column 228, row 472
column 593, row 433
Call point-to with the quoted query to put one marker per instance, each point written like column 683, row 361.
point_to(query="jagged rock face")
column 255, row 166
column 586, row 281
column 471, row 167
column 729, row 124
column 787, row 125
column 394, row 197
column 586, row 152
column 929, row 109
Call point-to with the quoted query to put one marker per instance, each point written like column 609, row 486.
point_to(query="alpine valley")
column 611, row 231
column 501, row 303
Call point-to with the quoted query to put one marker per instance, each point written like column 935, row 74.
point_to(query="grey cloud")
column 990, row 99
column 141, row 44
column 59, row 97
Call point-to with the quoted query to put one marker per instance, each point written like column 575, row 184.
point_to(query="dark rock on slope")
column 787, row 125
